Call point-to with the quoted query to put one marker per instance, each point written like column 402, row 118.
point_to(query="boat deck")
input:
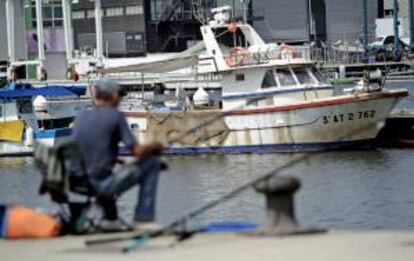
column 333, row 246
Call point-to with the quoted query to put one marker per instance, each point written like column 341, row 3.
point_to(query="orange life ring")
column 290, row 49
column 236, row 57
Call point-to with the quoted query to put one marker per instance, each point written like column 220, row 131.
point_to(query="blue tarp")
column 25, row 93
column 78, row 90
column 25, row 90
column 17, row 86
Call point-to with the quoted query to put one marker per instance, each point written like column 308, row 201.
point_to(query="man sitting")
column 98, row 132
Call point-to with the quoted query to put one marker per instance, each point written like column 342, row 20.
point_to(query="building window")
column 114, row 11
column 134, row 10
column 78, row 14
column 90, row 13
column 52, row 13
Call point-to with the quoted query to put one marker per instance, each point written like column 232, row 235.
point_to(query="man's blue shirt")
column 98, row 132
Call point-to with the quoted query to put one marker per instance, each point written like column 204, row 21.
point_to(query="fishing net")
column 164, row 127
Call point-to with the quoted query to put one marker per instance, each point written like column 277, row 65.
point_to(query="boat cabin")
column 250, row 68
column 17, row 109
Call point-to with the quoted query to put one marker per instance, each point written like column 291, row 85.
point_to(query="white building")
column 19, row 31
column 403, row 15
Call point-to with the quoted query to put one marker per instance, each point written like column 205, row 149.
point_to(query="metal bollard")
column 280, row 209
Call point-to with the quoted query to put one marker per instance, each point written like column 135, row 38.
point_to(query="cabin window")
column 25, row 106
column 285, row 77
column 134, row 126
column 269, row 80
column 229, row 39
column 239, row 77
column 90, row 13
column 304, row 77
column 318, row 75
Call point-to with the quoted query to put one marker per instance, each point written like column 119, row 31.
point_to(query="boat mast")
column 366, row 30
column 411, row 14
column 245, row 10
column 67, row 26
column 396, row 46
column 40, row 38
column 10, row 30
column 98, row 28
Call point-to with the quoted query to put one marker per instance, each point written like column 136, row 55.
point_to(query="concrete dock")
column 332, row 246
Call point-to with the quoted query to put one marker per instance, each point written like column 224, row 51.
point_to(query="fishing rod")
column 191, row 215
column 140, row 238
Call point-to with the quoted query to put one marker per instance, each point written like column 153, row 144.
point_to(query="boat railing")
column 285, row 53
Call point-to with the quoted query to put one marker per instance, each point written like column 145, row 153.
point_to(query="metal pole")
column 67, row 26
column 411, row 14
column 396, row 29
column 142, row 86
column 366, row 25
column 245, row 9
column 98, row 28
column 40, row 36
column 310, row 18
column 10, row 30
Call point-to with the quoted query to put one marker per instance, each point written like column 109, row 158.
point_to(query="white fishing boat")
column 272, row 99
column 42, row 114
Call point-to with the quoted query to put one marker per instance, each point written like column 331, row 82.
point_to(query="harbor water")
column 363, row 189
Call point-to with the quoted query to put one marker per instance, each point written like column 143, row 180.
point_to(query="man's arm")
column 144, row 151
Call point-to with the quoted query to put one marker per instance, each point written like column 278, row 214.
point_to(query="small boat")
column 272, row 99
column 43, row 114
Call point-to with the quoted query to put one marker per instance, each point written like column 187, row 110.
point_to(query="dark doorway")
column 381, row 7
column 318, row 10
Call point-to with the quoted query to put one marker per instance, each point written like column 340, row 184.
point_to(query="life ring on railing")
column 288, row 49
column 236, row 57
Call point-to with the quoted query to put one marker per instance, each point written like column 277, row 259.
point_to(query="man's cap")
column 107, row 87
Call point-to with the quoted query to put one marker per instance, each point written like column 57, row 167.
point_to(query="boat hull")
column 50, row 137
column 345, row 121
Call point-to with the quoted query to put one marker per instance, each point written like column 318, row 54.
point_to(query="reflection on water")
column 359, row 189
column 19, row 182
